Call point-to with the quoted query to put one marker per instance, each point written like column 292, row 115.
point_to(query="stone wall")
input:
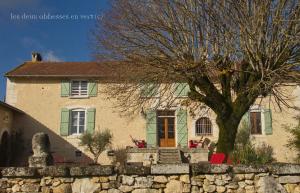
column 136, row 179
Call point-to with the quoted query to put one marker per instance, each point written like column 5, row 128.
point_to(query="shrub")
column 249, row 154
column 294, row 141
column 243, row 135
column 96, row 143
column 246, row 153
column 120, row 158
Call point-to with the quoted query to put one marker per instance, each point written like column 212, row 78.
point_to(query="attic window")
column 79, row 88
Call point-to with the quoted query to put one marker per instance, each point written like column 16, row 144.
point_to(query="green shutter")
column 90, row 127
column 149, row 90
column 65, row 88
column 182, row 130
column 181, row 89
column 64, row 122
column 268, row 121
column 151, row 130
column 93, row 89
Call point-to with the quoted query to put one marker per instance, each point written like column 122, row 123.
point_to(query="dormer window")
column 79, row 88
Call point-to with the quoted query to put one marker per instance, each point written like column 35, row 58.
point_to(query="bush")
column 294, row 141
column 246, row 153
column 120, row 158
column 249, row 154
column 96, row 143
column 243, row 135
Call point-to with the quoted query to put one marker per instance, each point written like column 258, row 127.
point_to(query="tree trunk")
column 227, row 133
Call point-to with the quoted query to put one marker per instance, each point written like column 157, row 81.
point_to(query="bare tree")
column 229, row 52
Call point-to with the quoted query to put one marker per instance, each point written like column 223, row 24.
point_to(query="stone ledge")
column 19, row 172
column 96, row 170
column 284, row 169
column 207, row 168
column 170, row 169
column 242, row 169
column 194, row 150
column 136, row 169
column 141, row 150
column 54, row 171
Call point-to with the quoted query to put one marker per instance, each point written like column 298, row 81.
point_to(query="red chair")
column 217, row 158
column 192, row 144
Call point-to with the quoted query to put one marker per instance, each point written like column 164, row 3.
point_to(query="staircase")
column 169, row 156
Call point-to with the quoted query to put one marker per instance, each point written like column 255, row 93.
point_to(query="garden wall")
column 182, row 178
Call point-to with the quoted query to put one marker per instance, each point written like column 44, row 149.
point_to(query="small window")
column 79, row 88
column 203, row 126
column 255, row 122
column 78, row 121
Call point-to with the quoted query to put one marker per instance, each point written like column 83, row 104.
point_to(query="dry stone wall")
column 284, row 178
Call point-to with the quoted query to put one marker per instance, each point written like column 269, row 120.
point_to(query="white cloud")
column 50, row 56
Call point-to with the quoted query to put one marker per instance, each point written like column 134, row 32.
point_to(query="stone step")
column 167, row 156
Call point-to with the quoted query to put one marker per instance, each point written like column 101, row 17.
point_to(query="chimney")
column 36, row 57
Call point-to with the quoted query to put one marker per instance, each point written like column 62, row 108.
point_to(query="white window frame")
column 71, row 121
column 80, row 95
column 198, row 134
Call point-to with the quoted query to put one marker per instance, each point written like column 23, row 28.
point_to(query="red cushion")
column 217, row 158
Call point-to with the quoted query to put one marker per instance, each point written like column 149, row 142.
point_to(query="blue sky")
column 25, row 26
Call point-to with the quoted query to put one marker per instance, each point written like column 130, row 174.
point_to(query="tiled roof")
column 65, row 69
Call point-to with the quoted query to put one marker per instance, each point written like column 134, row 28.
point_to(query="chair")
column 217, row 158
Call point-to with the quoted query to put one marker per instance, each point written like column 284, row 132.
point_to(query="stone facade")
column 45, row 99
column 200, row 178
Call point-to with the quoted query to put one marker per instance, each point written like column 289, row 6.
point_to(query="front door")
column 166, row 128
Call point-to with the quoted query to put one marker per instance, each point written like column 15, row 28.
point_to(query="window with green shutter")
column 64, row 122
column 65, row 88
column 91, row 114
column 181, row 89
column 182, row 130
column 93, row 88
column 151, row 130
column 268, row 121
column 149, row 90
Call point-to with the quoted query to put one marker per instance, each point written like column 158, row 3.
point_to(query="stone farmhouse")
column 65, row 99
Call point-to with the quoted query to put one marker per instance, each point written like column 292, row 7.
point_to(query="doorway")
column 166, row 128
column 4, row 148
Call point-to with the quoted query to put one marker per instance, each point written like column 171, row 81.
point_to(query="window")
column 255, row 122
column 78, row 121
column 203, row 126
column 79, row 88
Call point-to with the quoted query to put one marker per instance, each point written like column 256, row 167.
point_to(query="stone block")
column 127, row 180
column 86, row 171
column 174, row 186
column 206, row 168
column 135, row 169
column 289, row 179
column 185, row 178
column 30, row 187
column 284, row 168
column 160, row 179
column 54, row 171
column 143, row 182
column 63, row 188
column 145, row 191
column 242, row 169
column 170, row 169
column 18, row 172
column 84, row 185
